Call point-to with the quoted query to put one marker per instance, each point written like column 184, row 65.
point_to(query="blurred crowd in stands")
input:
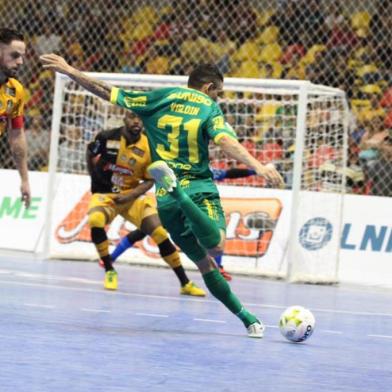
column 344, row 44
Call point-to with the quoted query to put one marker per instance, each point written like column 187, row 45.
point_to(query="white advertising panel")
column 257, row 225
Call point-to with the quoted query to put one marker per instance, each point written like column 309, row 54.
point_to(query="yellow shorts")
column 133, row 212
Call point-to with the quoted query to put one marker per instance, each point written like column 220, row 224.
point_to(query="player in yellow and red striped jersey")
column 12, row 52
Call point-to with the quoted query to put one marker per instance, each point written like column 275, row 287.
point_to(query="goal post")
column 299, row 127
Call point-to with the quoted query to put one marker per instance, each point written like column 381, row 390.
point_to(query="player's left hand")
column 25, row 192
column 55, row 63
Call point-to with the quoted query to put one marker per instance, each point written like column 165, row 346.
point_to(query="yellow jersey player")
column 12, row 52
column 117, row 161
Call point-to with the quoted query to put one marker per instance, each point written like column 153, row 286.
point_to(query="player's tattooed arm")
column 237, row 151
column 58, row 64
column 18, row 146
column 95, row 86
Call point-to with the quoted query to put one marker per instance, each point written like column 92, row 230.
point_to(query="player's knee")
column 219, row 248
column 96, row 219
column 205, row 264
column 216, row 251
column 170, row 254
column 98, row 236
column 159, row 235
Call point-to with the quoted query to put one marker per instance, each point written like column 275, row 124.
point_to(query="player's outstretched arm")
column 133, row 194
column 238, row 152
column 58, row 64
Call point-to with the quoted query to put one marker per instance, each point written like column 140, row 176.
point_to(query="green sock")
column 220, row 289
column 206, row 231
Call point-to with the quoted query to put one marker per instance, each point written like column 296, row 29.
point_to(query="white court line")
column 271, row 326
column 95, row 310
column 331, row 331
column 177, row 299
column 152, row 315
column 39, row 306
column 381, row 336
column 209, row 321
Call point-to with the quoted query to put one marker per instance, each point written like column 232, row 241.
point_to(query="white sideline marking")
column 209, row 320
column 330, row 331
column 151, row 315
column 381, row 336
column 182, row 298
column 271, row 326
column 95, row 310
column 39, row 306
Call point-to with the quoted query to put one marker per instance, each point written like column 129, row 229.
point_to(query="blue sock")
column 121, row 247
column 218, row 260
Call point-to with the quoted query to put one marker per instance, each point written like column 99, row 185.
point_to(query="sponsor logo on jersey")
column 114, row 144
column 117, row 169
column 135, row 101
column 137, row 151
column 218, row 122
column 191, row 97
column 10, row 91
column 184, row 183
column 250, row 226
column 181, row 166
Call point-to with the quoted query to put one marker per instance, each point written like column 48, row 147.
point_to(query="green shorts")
column 179, row 227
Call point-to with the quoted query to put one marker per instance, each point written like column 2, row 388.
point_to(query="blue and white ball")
column 297, row 324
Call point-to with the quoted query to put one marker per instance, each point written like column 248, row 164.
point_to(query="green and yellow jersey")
column 179, row 123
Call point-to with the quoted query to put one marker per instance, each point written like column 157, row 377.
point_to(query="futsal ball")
column 297, row 323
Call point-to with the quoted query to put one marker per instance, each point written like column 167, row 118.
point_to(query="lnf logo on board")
column 315, row 233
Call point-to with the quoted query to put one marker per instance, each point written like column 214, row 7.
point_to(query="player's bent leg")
column 97, row 220
column 98, row 217
column 217, row 253
column 218, row 250
column 127, row 242
column 169, row 253
column 221, row 290
column 206, row 232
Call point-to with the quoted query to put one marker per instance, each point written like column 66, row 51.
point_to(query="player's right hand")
column 55, row 63
column 26, row 194
column 270, row 173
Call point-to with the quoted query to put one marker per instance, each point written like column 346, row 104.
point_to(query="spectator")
column 223, row 48
column 335, row 16
column 380, row 173
column 342, row 36
column 381, row 34
column 48, row 41
column 372, row 141
column 373, row 94
column 289, row 21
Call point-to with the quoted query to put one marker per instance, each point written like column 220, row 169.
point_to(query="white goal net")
column 299, row 127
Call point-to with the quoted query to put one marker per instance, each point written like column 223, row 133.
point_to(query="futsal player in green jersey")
column 179, row 123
